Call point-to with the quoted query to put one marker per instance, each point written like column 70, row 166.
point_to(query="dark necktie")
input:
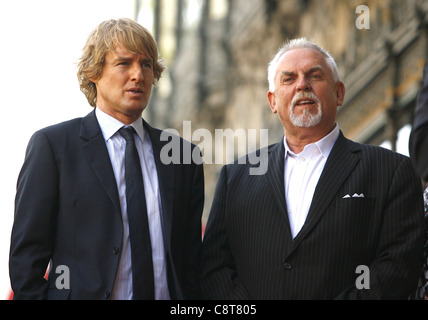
column 141, row 251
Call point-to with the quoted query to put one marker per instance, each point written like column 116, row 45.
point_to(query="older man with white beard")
column 297, row 78
column 326, row 210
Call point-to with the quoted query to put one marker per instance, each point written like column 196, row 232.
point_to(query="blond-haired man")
column 73, row 210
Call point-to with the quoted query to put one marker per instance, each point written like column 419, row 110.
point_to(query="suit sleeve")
column 32, row 232
column 418, row 143
column 219, row 277
column 395, row 270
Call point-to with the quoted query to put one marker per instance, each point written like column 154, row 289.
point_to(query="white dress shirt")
column 301, row 174
column 116, row 145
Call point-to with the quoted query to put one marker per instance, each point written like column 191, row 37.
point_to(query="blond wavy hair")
column 107, row 36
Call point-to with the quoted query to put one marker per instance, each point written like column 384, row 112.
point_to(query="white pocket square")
column 355, row 195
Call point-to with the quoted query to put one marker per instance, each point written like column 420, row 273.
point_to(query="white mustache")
column 306, row 119
column 304, row 95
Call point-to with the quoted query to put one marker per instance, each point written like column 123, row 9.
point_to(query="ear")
column 94, row 80
column 340, row 92
column 272, row 101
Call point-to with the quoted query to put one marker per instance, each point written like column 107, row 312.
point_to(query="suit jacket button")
column 287, row 266
column 115, row 250
column 107, row 295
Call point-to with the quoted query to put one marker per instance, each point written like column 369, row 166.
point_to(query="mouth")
column 135, row 91
column 302, row 102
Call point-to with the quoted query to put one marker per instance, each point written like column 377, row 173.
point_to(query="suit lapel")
column 342, row 160
column 95, row 151
column 275, row 178
column 167, row 181
column 275, row 174
column 166, row 177
column 97, row 155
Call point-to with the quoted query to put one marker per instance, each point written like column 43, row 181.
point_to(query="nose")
column 303, row 84
column 136, row 73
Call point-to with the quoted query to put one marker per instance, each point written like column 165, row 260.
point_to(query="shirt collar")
column 109, row 125
column 325, row 145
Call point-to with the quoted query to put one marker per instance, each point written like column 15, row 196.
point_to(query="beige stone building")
column 217, row 52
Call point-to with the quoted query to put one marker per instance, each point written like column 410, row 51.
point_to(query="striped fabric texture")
column 367, row 210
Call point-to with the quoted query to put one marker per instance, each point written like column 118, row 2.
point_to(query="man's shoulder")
column 62, row 126
column 254, row 163
column 381, row 157
column 369, row 150
column 246, row 159
column 62, row 131
column 165, row 136
column 377, row 151
column 172, row 148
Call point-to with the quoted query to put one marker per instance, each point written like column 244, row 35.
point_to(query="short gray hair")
column 300, row 43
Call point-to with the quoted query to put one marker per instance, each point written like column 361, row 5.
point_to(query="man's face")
column 306, row 95
column 125, row 84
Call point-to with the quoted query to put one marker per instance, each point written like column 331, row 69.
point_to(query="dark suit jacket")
column 67, row 212
column 418, row 143
column 248, row 251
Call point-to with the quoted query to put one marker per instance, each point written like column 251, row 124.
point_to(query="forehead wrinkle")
column 309, row 71
column 131, row 57
column 316, row 68
column 124, row 58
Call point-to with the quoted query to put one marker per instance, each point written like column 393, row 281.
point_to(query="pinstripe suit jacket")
column 248, row 251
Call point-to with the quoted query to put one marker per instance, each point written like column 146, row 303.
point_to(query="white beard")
column 306, row 119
